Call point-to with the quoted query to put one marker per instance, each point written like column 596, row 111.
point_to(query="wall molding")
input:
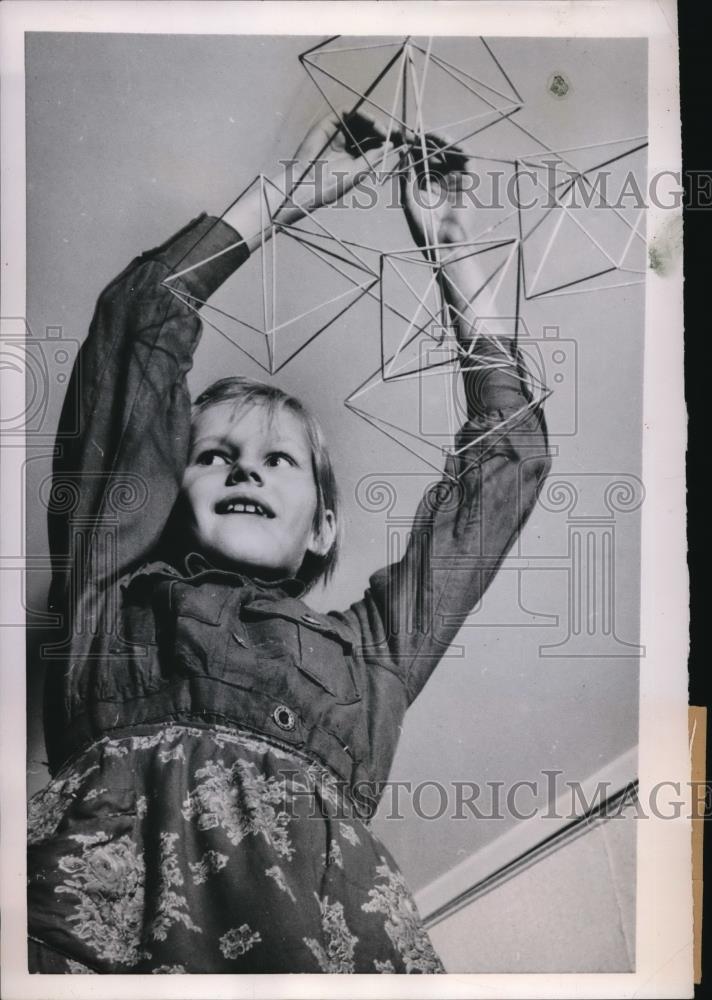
column 525, row 843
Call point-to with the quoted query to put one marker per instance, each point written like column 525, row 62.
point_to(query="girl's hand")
column 327, row 163
column 431, row 193
column 433, row 196
column 332, row 158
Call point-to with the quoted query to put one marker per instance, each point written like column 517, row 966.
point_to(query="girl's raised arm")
column 467, row 523
column 115, row 482
column 123, row 469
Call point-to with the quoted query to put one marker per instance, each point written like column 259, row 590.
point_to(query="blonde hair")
column 250, row 392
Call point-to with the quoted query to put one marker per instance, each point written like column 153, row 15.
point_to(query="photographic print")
column 334, row 500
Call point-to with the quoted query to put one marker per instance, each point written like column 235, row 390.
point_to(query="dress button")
column 284, row 717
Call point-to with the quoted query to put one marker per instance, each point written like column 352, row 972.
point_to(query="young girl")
column 216, row 746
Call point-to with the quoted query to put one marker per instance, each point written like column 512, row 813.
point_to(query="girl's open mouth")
column 241, row 505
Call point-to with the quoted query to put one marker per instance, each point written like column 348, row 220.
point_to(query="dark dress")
column 217, row 747
column 228, row 853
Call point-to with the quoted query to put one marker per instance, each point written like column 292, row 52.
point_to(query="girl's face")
column 250, row 490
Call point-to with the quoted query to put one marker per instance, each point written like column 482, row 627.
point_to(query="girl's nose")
column 243, row 471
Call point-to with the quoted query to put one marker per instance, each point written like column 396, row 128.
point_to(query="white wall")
column 571, row 911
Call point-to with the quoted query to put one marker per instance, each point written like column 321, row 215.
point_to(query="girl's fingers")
column 364, row 116
column 363, row 133
column 375, row 156
column 376, row 129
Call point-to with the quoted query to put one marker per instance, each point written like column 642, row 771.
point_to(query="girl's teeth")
column 243, row 508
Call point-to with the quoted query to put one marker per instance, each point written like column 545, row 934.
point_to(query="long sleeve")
column 462, row 530
column 124, row 467
column 115, row 482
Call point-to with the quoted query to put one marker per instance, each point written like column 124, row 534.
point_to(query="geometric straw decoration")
column 415, row 396
column 292, row 265
column 412, row 88
column 411, row 286
column 437, row 114
column 568, row 206
column 423, row 411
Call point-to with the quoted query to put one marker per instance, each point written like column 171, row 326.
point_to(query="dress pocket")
column 326, row 659
column 306, row 642
column 191, row 637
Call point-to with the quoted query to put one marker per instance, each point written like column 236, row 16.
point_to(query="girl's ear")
column 323, row 539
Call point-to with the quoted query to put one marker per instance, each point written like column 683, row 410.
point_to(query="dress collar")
column 195, row 564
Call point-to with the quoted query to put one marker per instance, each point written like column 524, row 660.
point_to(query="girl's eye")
column 212, row 458
column 279, row 458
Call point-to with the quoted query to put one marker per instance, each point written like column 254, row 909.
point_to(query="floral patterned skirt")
column 180, row 849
